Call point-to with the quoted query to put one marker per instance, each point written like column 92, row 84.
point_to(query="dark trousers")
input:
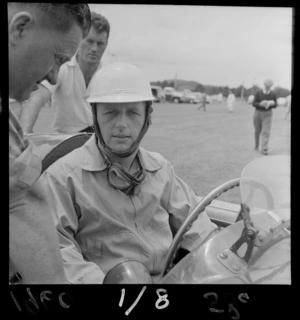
column 203, row 105
column 262, row 121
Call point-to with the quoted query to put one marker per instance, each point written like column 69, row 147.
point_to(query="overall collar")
column 92, row 160
column 265, row 91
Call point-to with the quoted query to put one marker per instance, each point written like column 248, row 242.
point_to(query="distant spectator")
column 203, row 102
column 264, row 101
column 230, row 101
column 220, row 97
column 288, row 105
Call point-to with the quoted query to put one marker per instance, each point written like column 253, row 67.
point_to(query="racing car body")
column 256, row 248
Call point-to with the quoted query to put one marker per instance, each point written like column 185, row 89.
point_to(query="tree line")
column 212, row 90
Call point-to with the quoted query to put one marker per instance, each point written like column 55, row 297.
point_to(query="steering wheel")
column 252, row 183
column 192, row 217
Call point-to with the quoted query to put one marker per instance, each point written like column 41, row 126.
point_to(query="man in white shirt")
column 288, row 106
column 230, row 101
column 72, row 113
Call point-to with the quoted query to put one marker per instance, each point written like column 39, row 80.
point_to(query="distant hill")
column 180, row 85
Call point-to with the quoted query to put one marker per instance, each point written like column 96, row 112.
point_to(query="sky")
column 213, row 45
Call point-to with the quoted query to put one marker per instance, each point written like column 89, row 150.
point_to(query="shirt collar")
column 92, row 160
column 73, row 62
column 265, row 91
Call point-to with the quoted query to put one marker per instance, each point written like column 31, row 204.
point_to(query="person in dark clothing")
column 203, row 102
column 264, row 101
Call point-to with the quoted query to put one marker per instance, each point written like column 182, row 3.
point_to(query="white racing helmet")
column 119, row 82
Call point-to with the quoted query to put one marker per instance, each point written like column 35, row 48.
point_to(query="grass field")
column 206, row 148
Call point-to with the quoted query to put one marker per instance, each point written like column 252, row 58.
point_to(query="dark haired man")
column 41, row 37
column 264, row 101
column 72, row 113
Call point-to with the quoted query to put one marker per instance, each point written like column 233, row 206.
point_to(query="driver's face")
column 120, row 123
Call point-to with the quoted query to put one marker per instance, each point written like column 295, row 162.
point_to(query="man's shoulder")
column 156, row 157
column 259, row 93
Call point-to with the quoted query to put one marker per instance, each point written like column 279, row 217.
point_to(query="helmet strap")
column 118, row 177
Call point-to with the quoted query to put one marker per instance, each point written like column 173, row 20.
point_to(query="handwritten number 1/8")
column 135, row 302
column 122, row 298
column 161, row 303
column 163, row 299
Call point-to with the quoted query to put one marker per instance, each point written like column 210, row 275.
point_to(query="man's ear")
column 18, row 25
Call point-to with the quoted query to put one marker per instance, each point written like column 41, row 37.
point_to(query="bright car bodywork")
column 256, row 248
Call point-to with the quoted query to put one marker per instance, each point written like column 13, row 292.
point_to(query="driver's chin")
column 120, row 148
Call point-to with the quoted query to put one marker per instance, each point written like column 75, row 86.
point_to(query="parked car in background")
column 196, row 97
column 208, row 99
column 158, row 93
column 214, row 98
column 172, row 95
column 191, row 97
column 188, row 96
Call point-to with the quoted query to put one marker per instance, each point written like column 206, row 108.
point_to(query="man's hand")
column 32, row 107
column 264, row 104
column 270, row 103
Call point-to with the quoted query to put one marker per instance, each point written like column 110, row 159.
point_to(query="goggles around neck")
column 120, row 178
